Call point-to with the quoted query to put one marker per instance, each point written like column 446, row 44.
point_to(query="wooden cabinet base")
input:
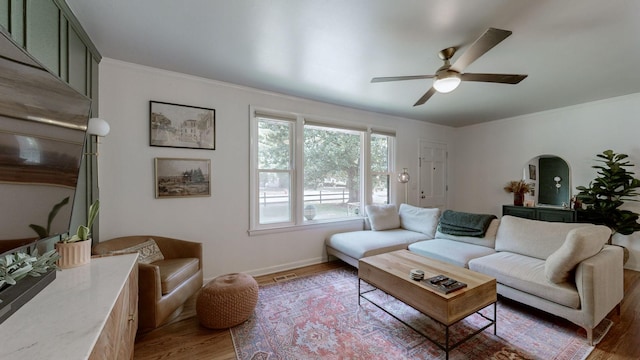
column 118, row 336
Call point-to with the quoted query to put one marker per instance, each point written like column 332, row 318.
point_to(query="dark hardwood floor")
column 184, row 338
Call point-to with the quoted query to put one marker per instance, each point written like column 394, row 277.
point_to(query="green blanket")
column 464, row 224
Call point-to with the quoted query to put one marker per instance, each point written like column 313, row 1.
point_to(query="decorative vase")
column 74, row 254
column 518, row 199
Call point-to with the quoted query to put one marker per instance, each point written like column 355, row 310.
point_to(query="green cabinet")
column 540, row 213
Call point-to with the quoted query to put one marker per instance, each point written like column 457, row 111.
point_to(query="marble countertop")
column 66, row 318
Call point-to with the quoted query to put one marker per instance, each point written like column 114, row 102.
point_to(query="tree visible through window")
column 331, row 172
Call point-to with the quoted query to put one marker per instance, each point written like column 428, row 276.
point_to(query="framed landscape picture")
column 182, row 177
column 182, row 126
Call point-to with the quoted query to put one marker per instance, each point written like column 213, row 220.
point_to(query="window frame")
column 297, row 168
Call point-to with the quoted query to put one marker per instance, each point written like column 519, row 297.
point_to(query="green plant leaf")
column 93, row 212
column 42, row 232
column 54, row 211
column 607, row 193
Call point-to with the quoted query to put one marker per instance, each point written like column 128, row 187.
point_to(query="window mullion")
column 298, row 171
column 366, row 171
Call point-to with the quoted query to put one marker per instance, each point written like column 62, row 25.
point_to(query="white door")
column 433, row 174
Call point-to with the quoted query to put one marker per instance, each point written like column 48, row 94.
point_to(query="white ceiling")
column 574, row 51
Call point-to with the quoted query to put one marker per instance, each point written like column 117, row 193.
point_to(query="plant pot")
column 74, row 254
column 625, row 254
column 518, row 199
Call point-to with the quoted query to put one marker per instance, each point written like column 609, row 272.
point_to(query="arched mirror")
column 552, row 179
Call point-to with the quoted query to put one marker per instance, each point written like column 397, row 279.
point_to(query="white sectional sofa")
column 562, row 268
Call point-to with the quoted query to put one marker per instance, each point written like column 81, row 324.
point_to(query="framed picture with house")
column 182, row 126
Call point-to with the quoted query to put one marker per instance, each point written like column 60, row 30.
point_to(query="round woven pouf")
column 227, row 301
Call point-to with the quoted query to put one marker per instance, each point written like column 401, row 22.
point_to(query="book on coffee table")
column 444, row 284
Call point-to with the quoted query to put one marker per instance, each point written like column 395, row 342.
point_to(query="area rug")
column 318, row 317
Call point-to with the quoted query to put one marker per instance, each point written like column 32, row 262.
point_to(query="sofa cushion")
column 532, row 237
column 174, row 272
column 383, row 217
column 581, row 243
column 526, row 274
column 423, row 220
column 451, row 251
column 488, row 240
column 148, row 251
column 359, row 244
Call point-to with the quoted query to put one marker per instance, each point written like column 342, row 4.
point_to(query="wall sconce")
column 98, row 127
column 557, row 179
column 404, row 178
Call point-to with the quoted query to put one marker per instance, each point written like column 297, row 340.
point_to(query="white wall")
column 220, row 222
column 489, row 155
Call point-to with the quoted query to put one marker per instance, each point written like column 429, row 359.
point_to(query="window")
column 275, row 170
column 380, row 171
column 306, row 171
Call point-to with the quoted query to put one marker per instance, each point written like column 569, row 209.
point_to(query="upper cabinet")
column 50, row 32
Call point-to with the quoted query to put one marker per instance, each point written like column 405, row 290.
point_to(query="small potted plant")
column 518, row 188
column 76, row 249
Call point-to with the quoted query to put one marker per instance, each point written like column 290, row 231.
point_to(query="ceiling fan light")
column 446, row 84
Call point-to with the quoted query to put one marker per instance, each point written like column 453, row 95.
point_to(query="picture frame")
column 181, row 126
column 182, row 177
column 532, row 172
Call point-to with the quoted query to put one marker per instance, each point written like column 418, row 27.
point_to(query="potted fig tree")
column 75, row 250
column 603, row 198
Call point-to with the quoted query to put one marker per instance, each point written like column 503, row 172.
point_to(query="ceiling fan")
column 448, row 76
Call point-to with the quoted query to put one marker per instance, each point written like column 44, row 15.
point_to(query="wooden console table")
column 88, row 312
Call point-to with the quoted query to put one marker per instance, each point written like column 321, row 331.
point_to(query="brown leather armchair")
column 164, row 285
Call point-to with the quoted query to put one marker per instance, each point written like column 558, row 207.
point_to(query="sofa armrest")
column 600, row 283
column 149, row 285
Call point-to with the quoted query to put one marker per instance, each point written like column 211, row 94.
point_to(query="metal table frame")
column 445, row 347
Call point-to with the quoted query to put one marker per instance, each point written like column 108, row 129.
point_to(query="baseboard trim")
column 281, row 267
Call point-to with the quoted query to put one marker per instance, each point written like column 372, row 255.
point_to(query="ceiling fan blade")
column 400, row 78
column 493, row 78
column 486, row 42
column 425, row 97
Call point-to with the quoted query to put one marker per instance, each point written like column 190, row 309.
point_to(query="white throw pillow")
column 422, row 220
column 383, row 217
column 580, row 244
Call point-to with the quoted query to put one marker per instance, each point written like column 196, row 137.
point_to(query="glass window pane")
column 380, row 188
column 331, row 172
column 274, row 144
column 379, row 153
column 274, row 197
column 380, row 169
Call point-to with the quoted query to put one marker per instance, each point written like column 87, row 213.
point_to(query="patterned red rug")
column 318, row 317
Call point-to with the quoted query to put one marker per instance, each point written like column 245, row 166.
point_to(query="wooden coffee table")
column 390, row 273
